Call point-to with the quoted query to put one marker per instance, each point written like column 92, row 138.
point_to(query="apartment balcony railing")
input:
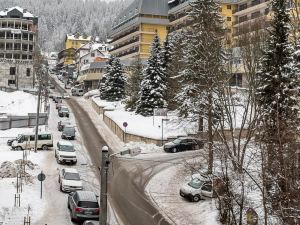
column 246, row 6
column 125, row 34
column 134, row 50
column 124, row 44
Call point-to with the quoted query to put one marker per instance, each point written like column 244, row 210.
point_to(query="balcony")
column 136, row 39
column 125, row 34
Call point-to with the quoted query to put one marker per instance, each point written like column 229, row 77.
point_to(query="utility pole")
column 37, row 117
column 103, row 191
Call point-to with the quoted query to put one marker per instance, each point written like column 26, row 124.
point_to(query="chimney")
column 24, row 10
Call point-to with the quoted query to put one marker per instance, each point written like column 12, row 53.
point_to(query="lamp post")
column 162, row 130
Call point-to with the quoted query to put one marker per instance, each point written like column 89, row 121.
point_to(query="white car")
column 69, row 180
column 65, row 152
column 196, row 189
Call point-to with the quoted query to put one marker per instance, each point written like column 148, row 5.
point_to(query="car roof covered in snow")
column 63, row 142
column 87, row 196
column 70, row 170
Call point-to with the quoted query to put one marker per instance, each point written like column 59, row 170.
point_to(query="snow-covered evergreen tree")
column 133, row 85
column 203, row 70
column 153, row 86
column 101, row 85
column 278, row 98
column 115, row 81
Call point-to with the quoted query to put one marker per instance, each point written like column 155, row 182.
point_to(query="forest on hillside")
column 59, row 17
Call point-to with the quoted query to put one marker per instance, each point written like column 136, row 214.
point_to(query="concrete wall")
column 21, row 79
column 22, row 121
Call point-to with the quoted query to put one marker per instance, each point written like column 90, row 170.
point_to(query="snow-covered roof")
column 78, row 38
column 25, row 13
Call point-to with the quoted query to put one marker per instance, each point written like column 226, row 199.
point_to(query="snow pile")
column 91, row 93
column 145, row 148
column 8, row 170
column 17, row 103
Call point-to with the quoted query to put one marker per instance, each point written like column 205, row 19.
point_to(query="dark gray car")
column 68, row 132
column 83, row 205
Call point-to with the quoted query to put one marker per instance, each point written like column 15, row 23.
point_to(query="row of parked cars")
column 83, row 205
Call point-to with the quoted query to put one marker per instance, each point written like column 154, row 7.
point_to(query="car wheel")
column 57, row 160
column 19, row 148
column 174, row 150
column 196, row 198
column 61, row 188
column 45, row 147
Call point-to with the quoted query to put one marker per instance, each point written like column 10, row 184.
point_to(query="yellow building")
column 134, row 29
column 72, row 42
column 178, row 15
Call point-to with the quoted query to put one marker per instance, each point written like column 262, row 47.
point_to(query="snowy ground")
column 163, row 190
column 17, row 103
column 50, row 209
column 150, row 127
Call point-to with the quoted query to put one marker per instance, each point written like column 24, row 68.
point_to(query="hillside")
column 59, row 17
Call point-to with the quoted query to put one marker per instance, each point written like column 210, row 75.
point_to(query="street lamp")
column 104, row 175
column 162, row 130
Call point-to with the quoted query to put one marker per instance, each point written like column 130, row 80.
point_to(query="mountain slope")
column 59, row 17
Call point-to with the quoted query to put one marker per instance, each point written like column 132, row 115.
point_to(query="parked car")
column 68, row 132
column 59, row 105
column 196, row 189
column 63, row 112
column 10, row 141
column 91, row 222
column 69, row 180
column 183, row 144
column 27, row 141
column 61, row 124
column 65, row 152
column 57, row 99
column 66, row 96
column 77, row 92
column 83, row 205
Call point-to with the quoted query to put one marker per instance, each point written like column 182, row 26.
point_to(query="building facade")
column 18, row 39
column 134, row 29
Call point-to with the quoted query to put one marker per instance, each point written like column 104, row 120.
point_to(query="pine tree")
column 133, row 85
column 115, row 81
column 277, row 96
column 102, row 86
column 153, row 86
column 165, row 58
column 203, row 59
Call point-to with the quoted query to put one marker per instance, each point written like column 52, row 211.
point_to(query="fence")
column 9, row 122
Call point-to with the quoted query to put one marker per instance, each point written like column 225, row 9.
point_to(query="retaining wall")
column 9, row 122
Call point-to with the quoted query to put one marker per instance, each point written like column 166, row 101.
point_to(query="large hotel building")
column 18, row 38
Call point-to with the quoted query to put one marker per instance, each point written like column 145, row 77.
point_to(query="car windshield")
column 64, row 109
column 176, row 141
column 67, row 148
column 72, row 176
column 196, row 183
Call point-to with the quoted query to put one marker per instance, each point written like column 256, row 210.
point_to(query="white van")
column 26, row 141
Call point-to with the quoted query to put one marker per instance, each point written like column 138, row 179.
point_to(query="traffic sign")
column 125, row 124
column 41, row 176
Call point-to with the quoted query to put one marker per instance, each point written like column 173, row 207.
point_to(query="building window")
column 220, row 10
column 229, row 18
column 236, row 80
column 228, row 6
column 12, row 71
column 93, row 54
column 11, row 82
column 28, row 72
